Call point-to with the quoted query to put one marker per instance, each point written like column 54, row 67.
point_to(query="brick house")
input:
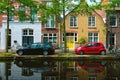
column 88, row 26
column 113, row 25
column 50, row 28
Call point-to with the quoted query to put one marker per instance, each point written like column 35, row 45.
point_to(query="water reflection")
column 60, row 70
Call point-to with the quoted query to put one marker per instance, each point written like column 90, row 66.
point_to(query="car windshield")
column 47, row 45
column 33, row 45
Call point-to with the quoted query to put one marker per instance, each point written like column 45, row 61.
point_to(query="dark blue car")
column 37, row 49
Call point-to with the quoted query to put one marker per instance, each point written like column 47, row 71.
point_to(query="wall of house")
column 16, row 32
column 83, row 29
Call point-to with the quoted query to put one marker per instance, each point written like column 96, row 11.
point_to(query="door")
column 70, row 42
column 90, row 48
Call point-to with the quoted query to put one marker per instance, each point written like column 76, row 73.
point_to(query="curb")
column 56, row 57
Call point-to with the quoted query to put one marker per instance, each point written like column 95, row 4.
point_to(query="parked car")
column 91, row 48
column 37, row 48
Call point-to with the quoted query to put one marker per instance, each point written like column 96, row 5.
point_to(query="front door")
column 70, row 42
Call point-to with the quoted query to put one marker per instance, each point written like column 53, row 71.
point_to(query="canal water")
column 60, row 70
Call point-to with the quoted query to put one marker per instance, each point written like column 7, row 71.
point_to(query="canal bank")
column 65, row 56
column 60, row 55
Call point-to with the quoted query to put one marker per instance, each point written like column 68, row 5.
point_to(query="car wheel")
column 20, row 52
column 81, row 52
column 102, row 52
column 45, row 52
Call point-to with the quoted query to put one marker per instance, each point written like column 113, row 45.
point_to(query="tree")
column 61, row 8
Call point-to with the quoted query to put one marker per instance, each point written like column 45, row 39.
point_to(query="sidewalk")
column 61, row 51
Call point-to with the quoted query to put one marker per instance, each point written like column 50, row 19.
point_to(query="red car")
column 91, row 48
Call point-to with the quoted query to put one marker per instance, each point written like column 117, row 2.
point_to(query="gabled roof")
column 102, row 13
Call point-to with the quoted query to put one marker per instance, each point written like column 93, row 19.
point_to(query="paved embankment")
column 63, row 57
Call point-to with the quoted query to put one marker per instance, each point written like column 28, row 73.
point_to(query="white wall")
column 16, row 32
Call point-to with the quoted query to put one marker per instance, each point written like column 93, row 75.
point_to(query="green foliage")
column 104, row 30
column 6, row 55
column 82, row 40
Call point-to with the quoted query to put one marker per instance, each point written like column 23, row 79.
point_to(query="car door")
column 33, row 48
column 90, row 48
column 96, row 47
column 39, row 49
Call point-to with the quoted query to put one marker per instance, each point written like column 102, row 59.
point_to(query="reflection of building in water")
column 61, row 70
column 26, row 72
column 113, row 71
column 53, row 74
column 72, row 71
column 2, row 71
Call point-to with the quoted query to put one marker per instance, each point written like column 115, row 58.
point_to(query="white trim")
column 91, row 22
column 73, row 21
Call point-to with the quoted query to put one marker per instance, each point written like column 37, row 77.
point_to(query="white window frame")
column 50, row 78
column 34, row 16
column 73, row 78
column 52, row 36
column 91, row 78
column 93, row 36
column 75, row 36
column 112, row 21
column 49, row 22
column 28, row 33
column 91, row 23
column 74, row 21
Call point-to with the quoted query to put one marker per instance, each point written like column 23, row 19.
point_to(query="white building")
column 24, row 33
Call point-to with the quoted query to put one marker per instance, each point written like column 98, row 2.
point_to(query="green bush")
column 82, row 40
column 6, row 55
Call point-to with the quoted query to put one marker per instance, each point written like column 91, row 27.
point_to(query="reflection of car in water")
column 91, row 67
column 38, row 66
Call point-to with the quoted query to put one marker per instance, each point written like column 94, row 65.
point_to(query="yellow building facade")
column 91, row 27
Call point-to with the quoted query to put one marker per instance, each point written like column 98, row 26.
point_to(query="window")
column 97, row 44
column 73, row 21
column 50, row 23
column 9, row 38
column 50, row 37
column 93, row 37
column 73, row 78
column 91, row 78
column 118, row 19
column 91, row 21
column 112, row 38
column 11, row 14
column 49, row 4
column 27, row 37
column 33, row 13
column 33, row 46
column 113, row 20
column 50, row 78
column 22, row 13
column 75, row 35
